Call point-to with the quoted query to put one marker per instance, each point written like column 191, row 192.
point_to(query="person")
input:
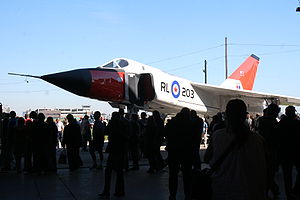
column 85, row 128
column 181, row 147
column 41, row 144
column 27, row 118
column 249, row 120
column 60, row 129
column 5, row 163
column 255, row 123
column 197, row 128
column 72, row 141
column 8, row 149
column 134, row 138
column 149, row 145
column 28, row 157
column 19, row 143
column 143, row 124
column 124, row 118
column 216, row 124
column 52, row 143
column 267, row 128
column 28, row 146
column 97, row 141
column 289, row 151
column 117, row 144
column 242, row 173
column 159, row 138
column 205, row 134
column 3, row 136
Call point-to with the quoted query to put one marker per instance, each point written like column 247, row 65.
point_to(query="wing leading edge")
column 216, row 97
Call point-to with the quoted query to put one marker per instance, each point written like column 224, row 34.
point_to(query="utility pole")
column 226, row 66
column 1, row 129
column 205, row 71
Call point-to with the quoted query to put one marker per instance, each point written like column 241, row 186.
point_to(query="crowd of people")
column 32, row 138
column 255, row 148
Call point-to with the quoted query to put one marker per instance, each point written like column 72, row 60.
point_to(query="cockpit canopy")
column 119, row 63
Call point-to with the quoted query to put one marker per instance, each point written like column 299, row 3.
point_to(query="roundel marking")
column 175, row 89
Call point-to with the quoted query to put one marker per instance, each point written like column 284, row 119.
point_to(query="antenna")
column 226, row 61
column 205, row 71
column 26, row 75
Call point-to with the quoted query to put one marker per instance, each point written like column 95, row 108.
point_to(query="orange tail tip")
column 244, row 76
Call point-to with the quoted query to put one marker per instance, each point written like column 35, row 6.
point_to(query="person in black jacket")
column 41, row 142
column 52, row 142
column 159, row 123
column 134, row 139
column 9, row 140
column 150, row 136
column 72, row 140
column 97, row 141
column 197, row 128
column 266, row 127
column 181, row 147
column 117, row 145
column 289, row 151
column 19, row 143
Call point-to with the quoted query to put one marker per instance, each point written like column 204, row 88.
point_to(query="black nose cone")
column 75, row 81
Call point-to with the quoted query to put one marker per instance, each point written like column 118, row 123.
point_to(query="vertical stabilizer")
column 243, row 77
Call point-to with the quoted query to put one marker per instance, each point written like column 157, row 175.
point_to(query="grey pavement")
column 86, row 184
column 83, row 184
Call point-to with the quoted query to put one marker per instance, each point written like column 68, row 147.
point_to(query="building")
column 76, row 112
column 62, row 113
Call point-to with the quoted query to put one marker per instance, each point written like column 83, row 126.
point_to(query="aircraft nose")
column 75, row 81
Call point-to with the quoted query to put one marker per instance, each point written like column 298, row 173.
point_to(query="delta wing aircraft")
column 124, row 82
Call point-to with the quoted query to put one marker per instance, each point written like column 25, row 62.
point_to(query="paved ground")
column 85, row 184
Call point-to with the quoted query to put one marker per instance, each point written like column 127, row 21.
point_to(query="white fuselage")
column 172, row 93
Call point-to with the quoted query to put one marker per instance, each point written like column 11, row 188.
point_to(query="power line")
column 265, row 45
column 185, row 66
column 231, row 44
column 279, row 52
column 186, row 54
column 241, row 55
column 222, row 57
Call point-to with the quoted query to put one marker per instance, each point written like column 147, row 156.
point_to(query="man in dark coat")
column 117, row 145
column 181, row 148
column 134, row 138
column 266, row 127
column 197, row 128
column 97, row 142
column 72, row 140
column 289, row 151
column 53, row 144
column 41, row 142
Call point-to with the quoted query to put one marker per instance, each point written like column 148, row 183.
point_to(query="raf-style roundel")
column 175, row 88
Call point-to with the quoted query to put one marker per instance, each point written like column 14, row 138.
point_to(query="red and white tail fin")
column 243, row 77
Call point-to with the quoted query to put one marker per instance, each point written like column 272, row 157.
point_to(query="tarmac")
column 86, row 184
